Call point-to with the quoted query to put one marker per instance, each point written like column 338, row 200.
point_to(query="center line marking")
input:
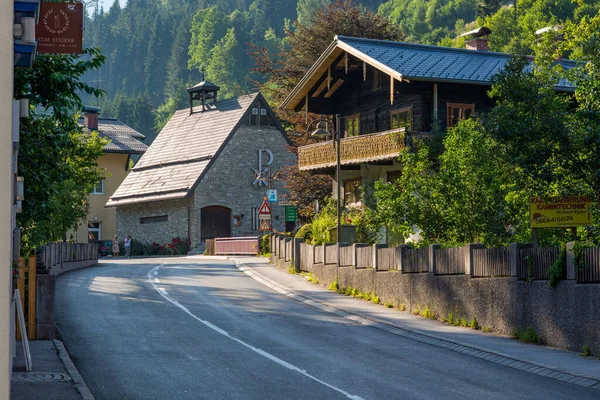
column 163, row 293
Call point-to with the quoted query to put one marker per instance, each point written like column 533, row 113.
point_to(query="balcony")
column 356, row 150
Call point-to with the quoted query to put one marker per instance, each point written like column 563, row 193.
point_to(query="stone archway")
column 215, row 221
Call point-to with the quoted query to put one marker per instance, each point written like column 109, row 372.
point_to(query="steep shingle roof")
column 412, row 62
column 181, row 152
column 123, row 138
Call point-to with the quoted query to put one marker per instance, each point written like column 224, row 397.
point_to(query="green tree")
column 56, row 158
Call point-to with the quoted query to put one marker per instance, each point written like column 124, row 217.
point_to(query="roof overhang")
column 337, row 47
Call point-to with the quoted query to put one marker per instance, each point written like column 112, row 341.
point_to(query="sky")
column 107, row 3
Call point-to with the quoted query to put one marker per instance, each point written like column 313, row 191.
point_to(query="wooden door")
column 215, row 222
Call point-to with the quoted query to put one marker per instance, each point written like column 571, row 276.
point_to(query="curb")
column 466, row 349
column 83, row 389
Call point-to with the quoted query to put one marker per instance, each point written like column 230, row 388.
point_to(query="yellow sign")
column 560, row 212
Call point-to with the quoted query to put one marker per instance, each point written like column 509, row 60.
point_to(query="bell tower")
column 203, row 92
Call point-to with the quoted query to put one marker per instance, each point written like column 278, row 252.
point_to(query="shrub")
column 427, row 313
column 529, row 335
column 305, row 232
column 265, row 244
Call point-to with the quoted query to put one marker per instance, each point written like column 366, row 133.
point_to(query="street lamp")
column 321, row 133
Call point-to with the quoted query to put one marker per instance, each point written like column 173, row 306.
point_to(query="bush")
column 305, row 232
column 265, row 244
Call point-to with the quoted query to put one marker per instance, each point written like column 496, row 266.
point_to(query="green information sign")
column 291, row 214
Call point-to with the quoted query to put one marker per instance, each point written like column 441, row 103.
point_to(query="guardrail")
column 237, row 246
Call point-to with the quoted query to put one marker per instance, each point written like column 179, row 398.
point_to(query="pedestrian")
column 116, row 247
column 127, row 244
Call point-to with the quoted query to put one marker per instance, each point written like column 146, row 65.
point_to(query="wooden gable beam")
column 335, row 87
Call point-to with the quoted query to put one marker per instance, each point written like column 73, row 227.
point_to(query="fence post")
column 399, row 253
column 374, row 254
column 432, row 249
column 297, row 256
column 32, row 269
column 570, row 261
column 354, row 255
column 469, row 269
column 324, row 253
column 514, row 259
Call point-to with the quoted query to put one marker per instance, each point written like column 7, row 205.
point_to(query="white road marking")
column 156, row 280
column 163, row 293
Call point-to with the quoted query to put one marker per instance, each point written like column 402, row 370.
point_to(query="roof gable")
column 185, row 150
column 123, row 138
column 407, row 61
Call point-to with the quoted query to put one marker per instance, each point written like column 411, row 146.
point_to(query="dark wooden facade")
column 369, row 96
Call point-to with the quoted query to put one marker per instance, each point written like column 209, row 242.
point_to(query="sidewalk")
column 53, row 377
column 546, row 361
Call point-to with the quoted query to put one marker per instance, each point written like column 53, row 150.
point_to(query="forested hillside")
column 155, row 48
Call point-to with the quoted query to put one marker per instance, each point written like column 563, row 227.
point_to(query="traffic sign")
column 272, row 195
column 265, row 208
column 265, row 225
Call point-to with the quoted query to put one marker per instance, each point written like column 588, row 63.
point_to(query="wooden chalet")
column 387, row 90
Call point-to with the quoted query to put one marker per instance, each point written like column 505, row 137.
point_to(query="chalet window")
column 458, row 112
column 352, row 190
column 152, row 220
column 377, row 79
column 393, row 176
column 401, row 118
column 99, row 189
column 352, row 125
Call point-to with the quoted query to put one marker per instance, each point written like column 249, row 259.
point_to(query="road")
column 201, row 329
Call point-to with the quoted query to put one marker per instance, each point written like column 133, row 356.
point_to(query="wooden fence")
column 589, row 269
column 450, row 261
column 535, row 263
column 491, row 262
column 415, row 260
column 386, row 258
column 364, row 257
column 523, row 262
column 54, row 254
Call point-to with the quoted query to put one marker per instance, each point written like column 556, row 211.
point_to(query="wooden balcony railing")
column 354, row 150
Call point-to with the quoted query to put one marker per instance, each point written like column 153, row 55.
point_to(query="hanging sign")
column 291, row 214
column 560, row 212
column 265, row 208
column 60, row 28
column 265, row 225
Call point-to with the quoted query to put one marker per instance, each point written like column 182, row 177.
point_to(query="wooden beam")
column 306, row 108
column 391, row 90
column 364, row 71
column 335, row 87
column 346, row 62
column 320, row 89
column 329, row 78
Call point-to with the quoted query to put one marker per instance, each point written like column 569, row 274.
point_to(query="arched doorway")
column 215, row 221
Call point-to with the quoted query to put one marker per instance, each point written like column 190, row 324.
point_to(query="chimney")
column 477, row 44
column 90, row 118
column 476, row 39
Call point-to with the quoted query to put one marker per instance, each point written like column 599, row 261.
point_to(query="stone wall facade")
column 229, row 181
column 177, row 212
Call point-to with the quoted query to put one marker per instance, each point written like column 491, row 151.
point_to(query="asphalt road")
column 190, row 329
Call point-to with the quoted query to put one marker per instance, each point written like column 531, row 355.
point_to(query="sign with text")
column 291, row 214
column 60, row 28
column 560, row 212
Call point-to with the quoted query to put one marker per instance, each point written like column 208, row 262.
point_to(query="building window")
column 152, row 220
column 99, row 189
column 393, row 176
column 458, row 112
column 377, row 79
column 401, row 118
column 94, row 232
column 352, row 190
column 352, row 125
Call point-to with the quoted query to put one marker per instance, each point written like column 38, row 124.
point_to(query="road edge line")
column 80, row 384
column 456, row 346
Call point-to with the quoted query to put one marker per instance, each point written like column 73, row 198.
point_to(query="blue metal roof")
column 435, row 63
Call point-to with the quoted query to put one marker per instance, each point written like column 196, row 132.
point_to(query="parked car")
column 104, row 248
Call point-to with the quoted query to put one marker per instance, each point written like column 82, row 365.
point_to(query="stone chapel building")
column 204, row 175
